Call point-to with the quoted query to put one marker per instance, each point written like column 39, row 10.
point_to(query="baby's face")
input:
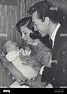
column 11, row 46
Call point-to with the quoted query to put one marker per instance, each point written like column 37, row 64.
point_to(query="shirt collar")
column 54, row 33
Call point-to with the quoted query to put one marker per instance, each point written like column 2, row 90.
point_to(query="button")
column 63, row 52
column 53, row 78
column 63, row 17
column 33, row 8
column 63, row 69
column 33, row 61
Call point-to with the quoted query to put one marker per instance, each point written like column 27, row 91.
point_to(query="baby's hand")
column 22, row 52
column 25, row 52
column 27, row 48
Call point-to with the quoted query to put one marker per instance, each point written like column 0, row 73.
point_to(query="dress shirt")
column 54, row 34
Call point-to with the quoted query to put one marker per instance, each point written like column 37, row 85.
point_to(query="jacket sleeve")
column 62, row 66
column 57, row 75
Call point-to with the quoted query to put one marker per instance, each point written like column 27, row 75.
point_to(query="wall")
column 10, row 13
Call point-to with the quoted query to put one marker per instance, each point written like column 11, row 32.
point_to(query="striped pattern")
column 9, row 15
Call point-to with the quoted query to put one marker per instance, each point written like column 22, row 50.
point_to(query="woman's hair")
column 24, row 21
column 35, row 35
column 28, row 21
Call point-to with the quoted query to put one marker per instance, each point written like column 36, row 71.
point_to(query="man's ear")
column 47, row 20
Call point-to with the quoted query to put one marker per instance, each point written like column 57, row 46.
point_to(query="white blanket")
column 26, row 70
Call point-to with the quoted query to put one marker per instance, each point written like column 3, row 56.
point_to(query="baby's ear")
column 7, row 50
column 3, row 54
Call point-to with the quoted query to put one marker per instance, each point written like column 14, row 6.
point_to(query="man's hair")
column 46, row 9
column 35, row 35
column 23, row 21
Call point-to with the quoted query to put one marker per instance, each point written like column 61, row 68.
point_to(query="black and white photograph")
column 33, row 44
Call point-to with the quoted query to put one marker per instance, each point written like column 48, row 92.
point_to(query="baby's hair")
column 4, row 47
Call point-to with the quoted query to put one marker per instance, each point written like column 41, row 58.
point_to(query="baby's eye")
column 25, row 33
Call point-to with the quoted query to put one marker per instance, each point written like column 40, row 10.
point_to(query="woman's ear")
column 47, row 20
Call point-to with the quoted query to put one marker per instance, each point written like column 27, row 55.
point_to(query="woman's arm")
column 19, row 77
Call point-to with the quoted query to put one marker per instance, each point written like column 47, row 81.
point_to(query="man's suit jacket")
column 57, row 75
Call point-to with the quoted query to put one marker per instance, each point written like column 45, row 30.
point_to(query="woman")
column 39, row 50
column 33, row 38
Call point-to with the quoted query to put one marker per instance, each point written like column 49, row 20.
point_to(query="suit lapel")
column 56, row 44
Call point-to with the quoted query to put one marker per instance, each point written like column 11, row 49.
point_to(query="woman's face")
column 26, row 34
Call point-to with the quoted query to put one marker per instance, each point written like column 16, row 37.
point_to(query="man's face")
column 26, row 34
column 42, row 27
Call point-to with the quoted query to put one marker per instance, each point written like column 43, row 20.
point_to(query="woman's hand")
column 25, row 58
column 5, row 62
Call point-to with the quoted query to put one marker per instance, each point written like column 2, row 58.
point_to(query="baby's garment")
column 26, row 70
column 16, row 85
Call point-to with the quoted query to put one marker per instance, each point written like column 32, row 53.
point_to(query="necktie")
column 51, row 43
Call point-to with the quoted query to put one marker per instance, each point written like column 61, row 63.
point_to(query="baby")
column 12, row 53
column 30, row 71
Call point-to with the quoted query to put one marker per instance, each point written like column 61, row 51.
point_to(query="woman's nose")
column 24, row 37
column 35, row 28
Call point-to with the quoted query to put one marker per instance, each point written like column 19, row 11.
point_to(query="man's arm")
column 57, row 75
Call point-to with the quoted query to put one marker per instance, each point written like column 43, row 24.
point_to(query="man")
column 47, row 19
